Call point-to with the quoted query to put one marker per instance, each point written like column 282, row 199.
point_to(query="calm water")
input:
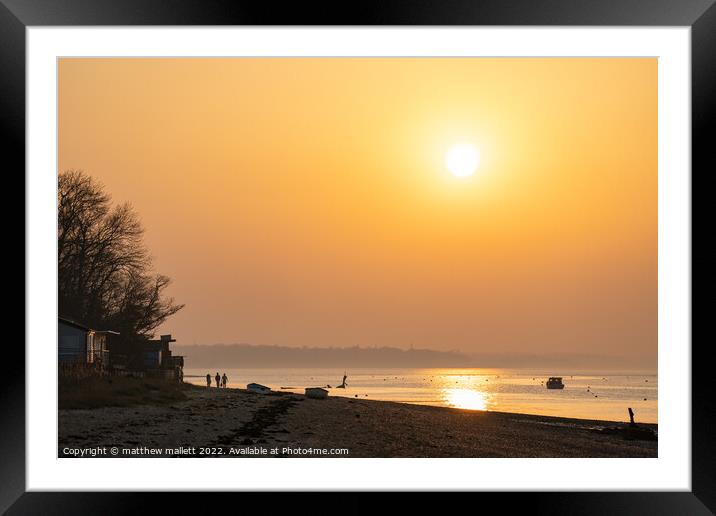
column 586, row 396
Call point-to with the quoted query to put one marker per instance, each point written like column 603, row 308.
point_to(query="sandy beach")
column 235, row 422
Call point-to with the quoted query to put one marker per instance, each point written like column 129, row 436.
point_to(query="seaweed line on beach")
column 254, row 431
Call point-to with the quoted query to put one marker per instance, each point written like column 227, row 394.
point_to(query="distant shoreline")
column 261, row 356
column 337, row 370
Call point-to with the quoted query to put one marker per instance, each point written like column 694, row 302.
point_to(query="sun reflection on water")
column 466, row 399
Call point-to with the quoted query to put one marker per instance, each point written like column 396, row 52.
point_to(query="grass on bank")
column 118, row 391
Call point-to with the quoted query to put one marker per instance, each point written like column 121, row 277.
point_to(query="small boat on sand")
column 316, row 393
column 555, row 382
column 258, row 388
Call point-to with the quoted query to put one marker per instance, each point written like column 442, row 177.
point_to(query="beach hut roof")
column 71, row 322
column 75, row 324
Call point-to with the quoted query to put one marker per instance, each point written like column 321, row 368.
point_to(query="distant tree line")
column 245, row 355
column 105, row 275
column 212, row 356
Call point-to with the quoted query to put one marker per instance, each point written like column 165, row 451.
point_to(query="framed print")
column 444, row 247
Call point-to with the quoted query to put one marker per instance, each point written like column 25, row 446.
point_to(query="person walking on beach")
column 224, row 379
column 218, row 379
column 208, row 380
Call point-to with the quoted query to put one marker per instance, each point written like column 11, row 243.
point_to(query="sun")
column 466, row 399
column 462, row 159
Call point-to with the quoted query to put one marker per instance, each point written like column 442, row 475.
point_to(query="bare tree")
column 105, row 276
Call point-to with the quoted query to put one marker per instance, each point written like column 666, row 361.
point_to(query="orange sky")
column 306, row 201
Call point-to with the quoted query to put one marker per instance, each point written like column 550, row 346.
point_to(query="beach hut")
column 73, row 338
column 98, row 349
column 152, row 354
column 258, row 388
column 156, row 359
column 79, row 344
column 316, row 393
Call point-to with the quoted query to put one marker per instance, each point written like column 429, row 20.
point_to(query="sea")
column 599, row 395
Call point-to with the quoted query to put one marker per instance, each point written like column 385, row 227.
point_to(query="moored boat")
column 555, row 382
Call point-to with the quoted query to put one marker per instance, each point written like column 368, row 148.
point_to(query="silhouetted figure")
column 631, row 417
column 224, row 379
column 343, row 384
column 208, row 380
column 218, row 379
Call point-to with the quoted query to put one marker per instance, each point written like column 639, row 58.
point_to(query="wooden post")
column 631, row 416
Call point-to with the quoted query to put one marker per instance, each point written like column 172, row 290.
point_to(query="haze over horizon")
column 306, row 202
column 244, row 356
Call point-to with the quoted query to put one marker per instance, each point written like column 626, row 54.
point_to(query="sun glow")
column 466, row 399
column 462, row 159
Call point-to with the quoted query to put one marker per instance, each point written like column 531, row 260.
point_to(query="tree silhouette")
column 105, row 276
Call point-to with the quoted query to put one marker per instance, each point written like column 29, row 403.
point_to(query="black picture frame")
column 699, row 15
